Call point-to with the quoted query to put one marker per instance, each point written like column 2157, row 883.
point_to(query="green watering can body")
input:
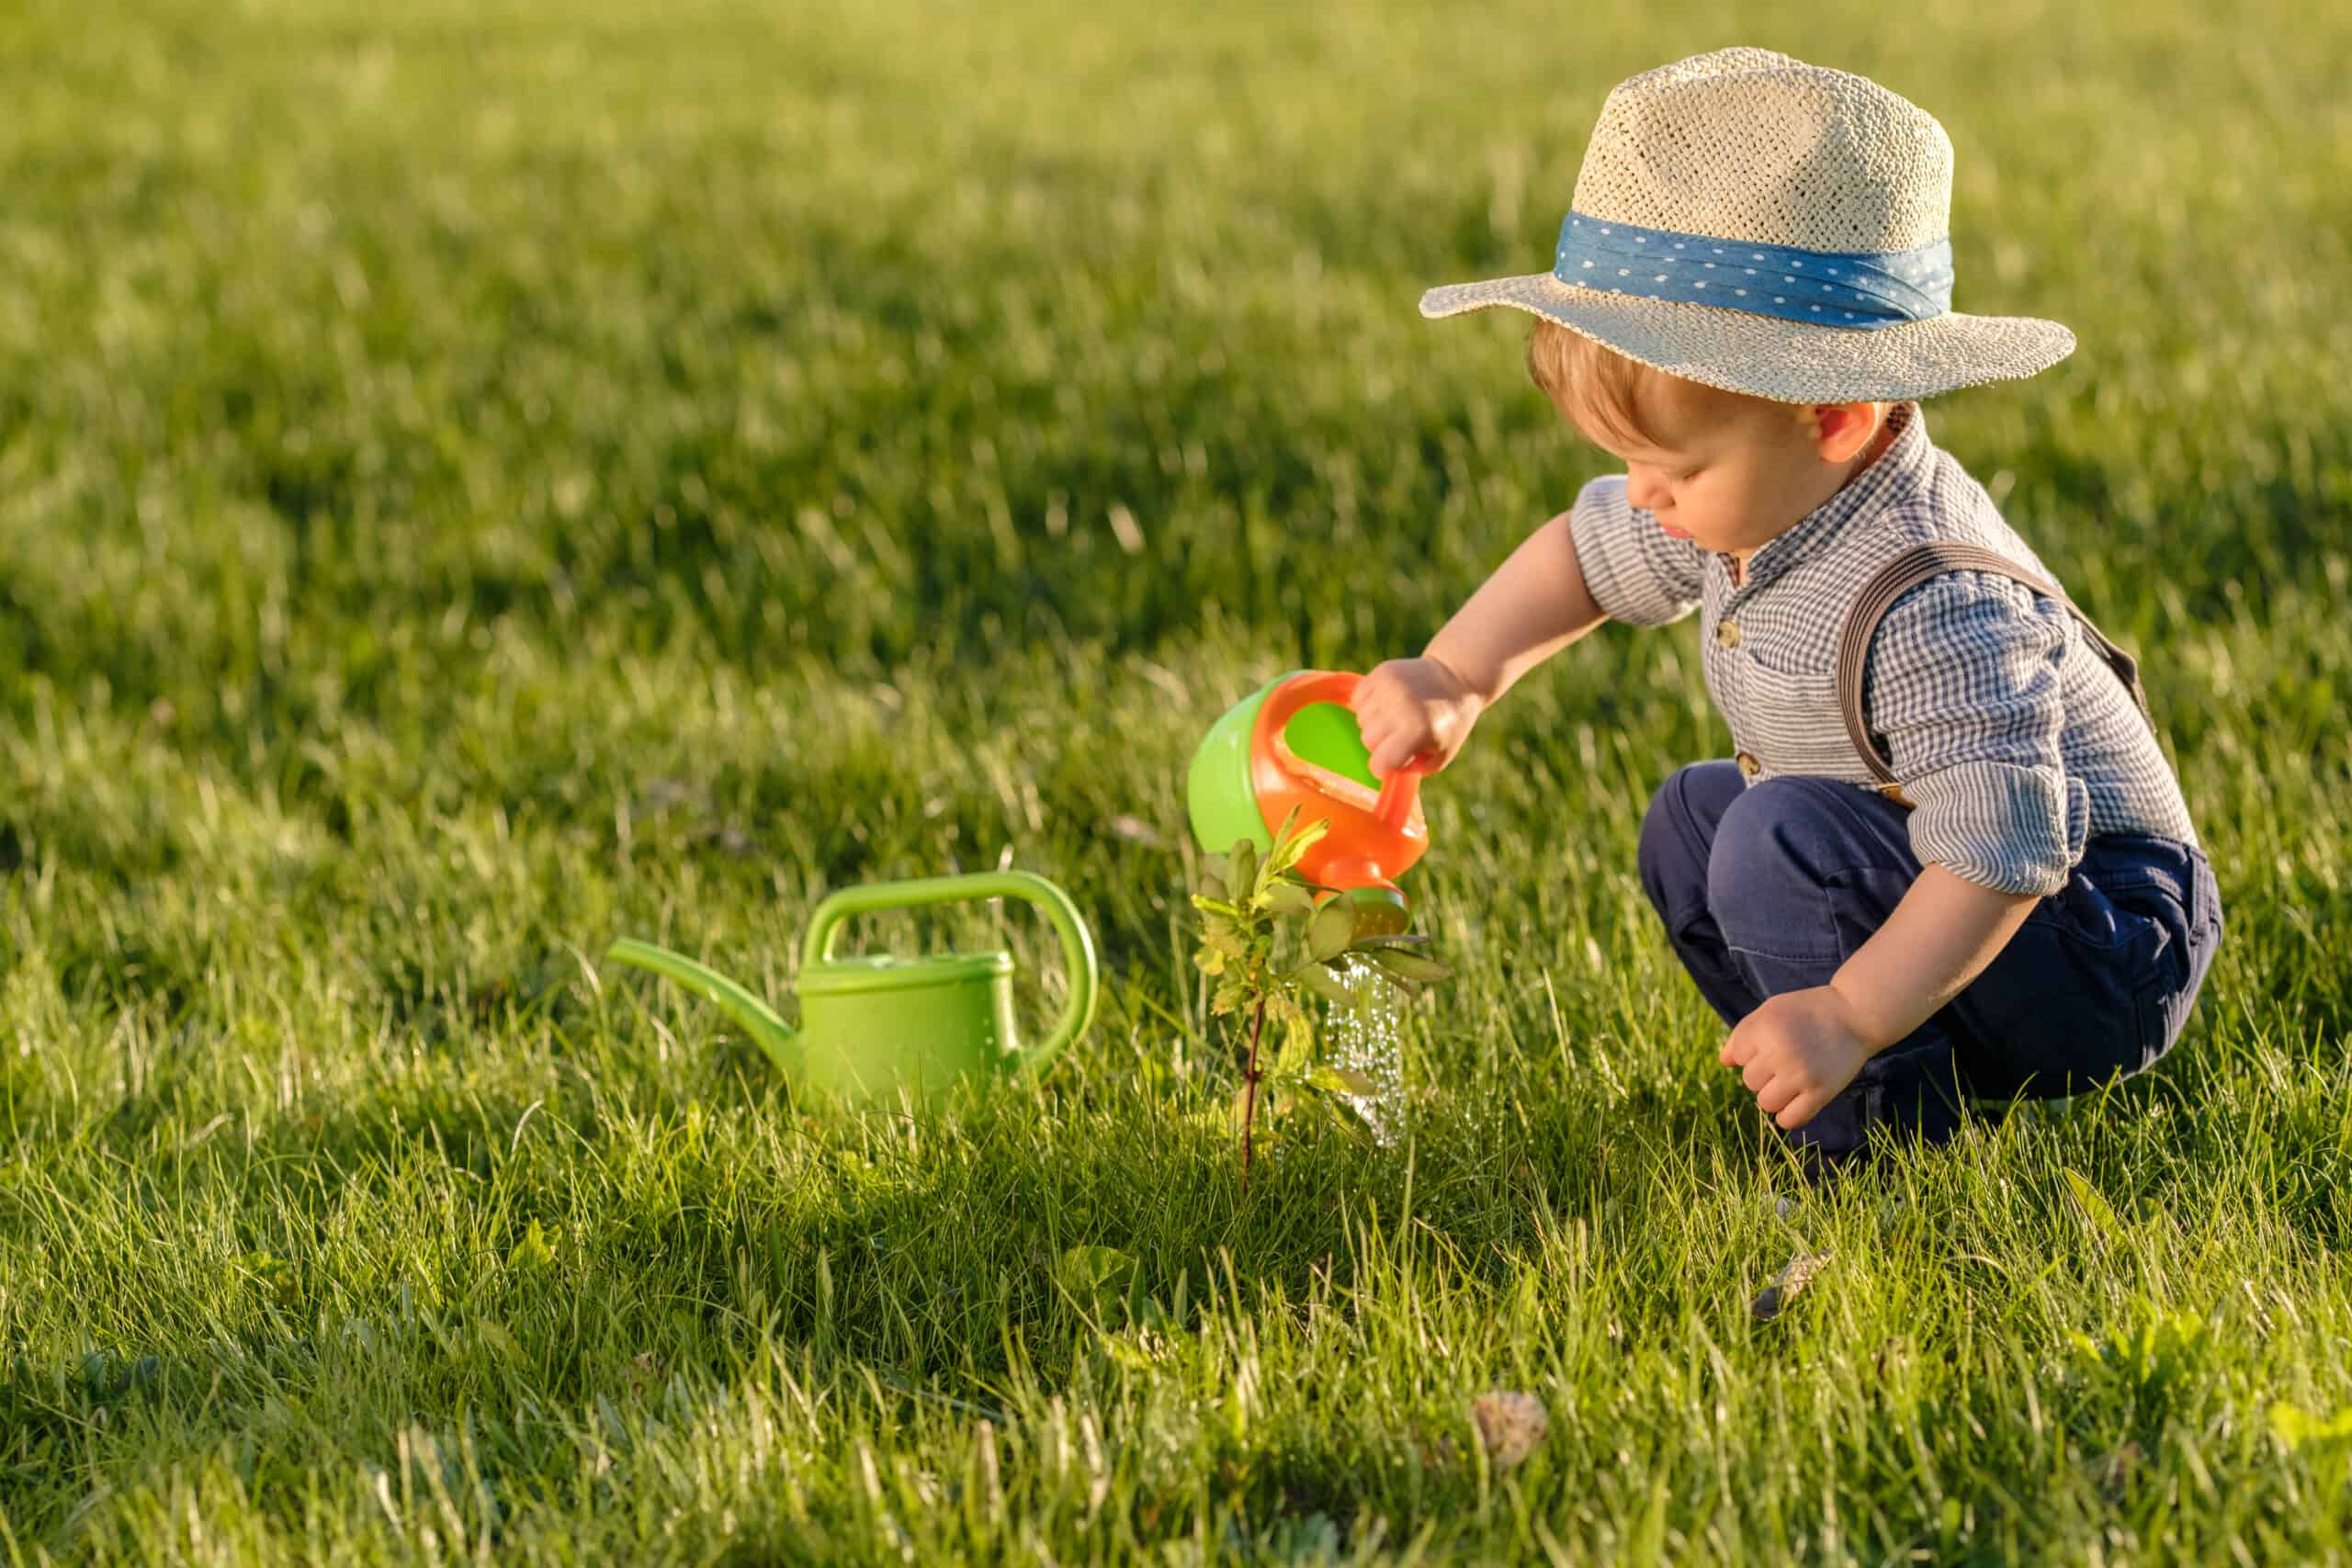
column 872, row 1026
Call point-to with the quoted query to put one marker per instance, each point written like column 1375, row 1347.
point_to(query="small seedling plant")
column 1274, row 941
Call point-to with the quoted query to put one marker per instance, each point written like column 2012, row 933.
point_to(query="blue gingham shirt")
column 2011, row 736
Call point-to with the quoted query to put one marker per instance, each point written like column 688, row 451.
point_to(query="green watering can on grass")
column 870, row 1026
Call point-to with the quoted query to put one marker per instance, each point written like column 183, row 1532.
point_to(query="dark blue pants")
column 1769, row 888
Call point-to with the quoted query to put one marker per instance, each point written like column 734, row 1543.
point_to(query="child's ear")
column 1841, row 430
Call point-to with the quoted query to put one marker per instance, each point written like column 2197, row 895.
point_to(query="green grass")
column 475, row 484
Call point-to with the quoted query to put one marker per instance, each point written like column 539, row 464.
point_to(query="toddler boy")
column 1949, row 858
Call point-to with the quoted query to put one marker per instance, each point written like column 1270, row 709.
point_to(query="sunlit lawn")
column 478, row 480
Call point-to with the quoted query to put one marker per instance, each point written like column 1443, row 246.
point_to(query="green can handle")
column 1078, row 945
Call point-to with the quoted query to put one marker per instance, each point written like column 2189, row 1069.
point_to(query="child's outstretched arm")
column 1601, row 559
column 1534, row 604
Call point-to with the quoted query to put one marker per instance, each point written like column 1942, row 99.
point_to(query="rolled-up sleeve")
column 1962, row 685
column 1634, row 570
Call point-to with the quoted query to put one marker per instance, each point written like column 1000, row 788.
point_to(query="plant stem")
column 1249, row 1100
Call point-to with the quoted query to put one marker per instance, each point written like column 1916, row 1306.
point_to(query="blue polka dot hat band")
column 1864, row 290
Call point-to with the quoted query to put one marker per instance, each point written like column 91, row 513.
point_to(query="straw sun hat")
column 1747, row 220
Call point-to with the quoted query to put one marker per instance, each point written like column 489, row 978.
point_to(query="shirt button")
column 1727, row 633
column 1748, row 766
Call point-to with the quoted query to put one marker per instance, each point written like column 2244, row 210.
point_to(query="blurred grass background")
column 480, row 478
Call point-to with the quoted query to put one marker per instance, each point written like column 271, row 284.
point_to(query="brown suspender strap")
column 1908, row 570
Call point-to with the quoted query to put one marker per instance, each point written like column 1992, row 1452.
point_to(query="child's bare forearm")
column 1534, row 604
column 1942, row 935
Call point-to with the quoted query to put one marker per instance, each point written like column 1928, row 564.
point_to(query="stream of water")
column 1370, row 1039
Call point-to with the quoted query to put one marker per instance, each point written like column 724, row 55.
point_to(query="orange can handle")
column 1398, row 792
column 1376, row 829
column 1296, row 692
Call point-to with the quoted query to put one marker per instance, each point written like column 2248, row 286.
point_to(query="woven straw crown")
column 1753, row 146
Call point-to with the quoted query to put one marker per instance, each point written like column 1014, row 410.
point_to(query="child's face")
column 1727, row 473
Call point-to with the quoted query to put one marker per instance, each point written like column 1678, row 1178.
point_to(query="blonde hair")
column 1596, row 388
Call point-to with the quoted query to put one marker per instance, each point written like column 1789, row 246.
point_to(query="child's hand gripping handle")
column 1374, row 835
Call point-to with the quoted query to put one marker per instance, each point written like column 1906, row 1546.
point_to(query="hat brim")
column 1768, row 357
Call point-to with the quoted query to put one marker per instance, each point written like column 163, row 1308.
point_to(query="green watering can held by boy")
column 871, row 1026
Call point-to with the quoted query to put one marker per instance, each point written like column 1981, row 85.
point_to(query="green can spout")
column 758, row 1019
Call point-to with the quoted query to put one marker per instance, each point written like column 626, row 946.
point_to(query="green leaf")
column 494, row 1334
column 2294, row 1426
column 1408, row 939
column 1126, row 1349
column 1349, row 1117
column 1095, row 1278
column 1333, row 928
column 2094, row 1208
column 1411, row 965
column 532, row 1251
column 1209, row 906
column 1292, row 843
column 1284, row 897
column 1085, row 1269
column 1341, row 1080
column 1242, row 872
column 268, row 1268
column 1297, row 1053
column 1225, row 937
column 1324, row 984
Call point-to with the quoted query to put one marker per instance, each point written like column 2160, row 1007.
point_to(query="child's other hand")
column 1797, row 1050
column 1414, row 712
